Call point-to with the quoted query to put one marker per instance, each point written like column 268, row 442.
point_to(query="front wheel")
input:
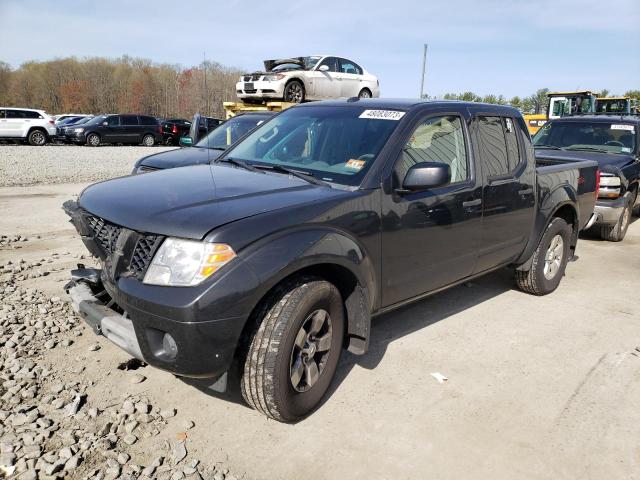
column 93, row 140
column 148, row 140
column 364, row 93
column 617, row 231
column 549, row 260
column 37, row 138
column 294, row 354
column 294, row 92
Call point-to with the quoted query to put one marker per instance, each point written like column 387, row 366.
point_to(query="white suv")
column 34, row 126
column 316, row 77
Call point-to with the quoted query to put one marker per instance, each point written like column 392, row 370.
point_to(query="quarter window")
column 437, row 139
column 129, row 120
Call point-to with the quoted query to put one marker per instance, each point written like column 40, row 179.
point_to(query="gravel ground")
column 22, row 165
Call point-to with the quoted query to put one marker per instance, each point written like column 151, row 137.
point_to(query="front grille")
column 252, row 78
column 250, row 91
column 106, row 236
column 143, row 253
column 105, row 233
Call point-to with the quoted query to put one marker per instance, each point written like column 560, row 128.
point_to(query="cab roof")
column 608, row 118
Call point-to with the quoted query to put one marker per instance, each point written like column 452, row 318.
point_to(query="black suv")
column 132, row 129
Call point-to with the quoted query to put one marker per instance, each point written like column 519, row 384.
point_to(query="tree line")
column 535, row 103
column 128, row 85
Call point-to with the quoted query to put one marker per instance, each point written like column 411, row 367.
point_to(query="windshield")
column 606, row 137
column 98, row 119
column 230, row 131
column 334, row 144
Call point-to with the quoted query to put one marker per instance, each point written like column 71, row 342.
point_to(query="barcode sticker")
column 622, row 127
column 382, row 114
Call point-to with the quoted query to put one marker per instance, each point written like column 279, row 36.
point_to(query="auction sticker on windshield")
column 630, row 128
column 382, row 114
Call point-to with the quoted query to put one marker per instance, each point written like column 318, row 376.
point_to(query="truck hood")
column 182, row 157
column 190, row 202
column 606, row 161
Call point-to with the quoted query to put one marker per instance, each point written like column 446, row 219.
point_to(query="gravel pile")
column 51, row 425
column 22, row 165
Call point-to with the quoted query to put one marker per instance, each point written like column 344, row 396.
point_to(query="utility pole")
column 424, row 67
column 206, row 92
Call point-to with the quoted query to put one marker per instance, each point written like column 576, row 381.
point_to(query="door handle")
column 526, row 191
column 472, row 203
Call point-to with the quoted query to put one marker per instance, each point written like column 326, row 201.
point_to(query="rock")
column 123, row 458
column 129, row 439
column 66, row 342
column 65, row 453
column 137, row 378
column 94, row 347
column 128, row 407
column 189, row 424
column 168, row 413
column 179, row 452
column 72, row 463
column 49, row 344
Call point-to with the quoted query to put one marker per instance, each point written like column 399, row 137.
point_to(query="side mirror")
column 426, row 175
column 323, row 68
column 105, row 124
column 186, row 141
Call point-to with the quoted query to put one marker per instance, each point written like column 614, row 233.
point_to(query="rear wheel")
column 93, row 140
column 148, row 140
column 295, row 351
column 364, row 93
column 37, row 138
column 549, row 260
column 294, row 92
column 617, row 231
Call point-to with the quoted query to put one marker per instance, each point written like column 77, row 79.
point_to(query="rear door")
column 111, row 131
column 509, row 189
column 430, row 238
column 16, row 123
column 130, row 131
column 350, row 75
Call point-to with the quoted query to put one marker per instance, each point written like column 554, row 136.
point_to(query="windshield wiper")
column 591, row 149
column 240, row 163
column 550, row 147
column 296, row 173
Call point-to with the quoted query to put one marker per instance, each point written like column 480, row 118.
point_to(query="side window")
column 32, row 114
column 347, row 66
column 436, row 139
column 15, row 114
column 128, row 120
column 148, row 121
column 331, row 63
column 492, row 146
column 113, row 121
column 511, row 137
column 2, row 114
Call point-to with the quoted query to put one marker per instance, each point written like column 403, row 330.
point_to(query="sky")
column 485, row 46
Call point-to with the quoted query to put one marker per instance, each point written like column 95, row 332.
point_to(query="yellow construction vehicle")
column 617, row 105
column 231, row 109
column 562, row 104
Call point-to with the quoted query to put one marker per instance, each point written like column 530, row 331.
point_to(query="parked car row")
column 37, row 127
column 273, row 252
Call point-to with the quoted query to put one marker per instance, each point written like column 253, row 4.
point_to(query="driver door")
column 430, row 237
column 326, row 84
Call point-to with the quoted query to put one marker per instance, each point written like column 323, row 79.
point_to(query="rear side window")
column 436, row 139
column 493, row 146
column 510, row 135
column 128, row 120
column 148, row 121
column 15, row 114
column 347, row 66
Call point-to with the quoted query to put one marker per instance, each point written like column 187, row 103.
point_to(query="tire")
column 547, row 269
column 37, row 138
column 365, row 93
column 276, row 356
column 294, row 92
column 617, row 231
column 148, row 140
column 93, row 140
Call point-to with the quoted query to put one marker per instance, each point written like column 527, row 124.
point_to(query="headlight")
column 609, row 186
column 186, row 262
column 273, row 78
column 78, row 130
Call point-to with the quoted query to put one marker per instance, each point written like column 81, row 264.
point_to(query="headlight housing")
column 273, row 78
column 184, row 263
column 78, row 130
